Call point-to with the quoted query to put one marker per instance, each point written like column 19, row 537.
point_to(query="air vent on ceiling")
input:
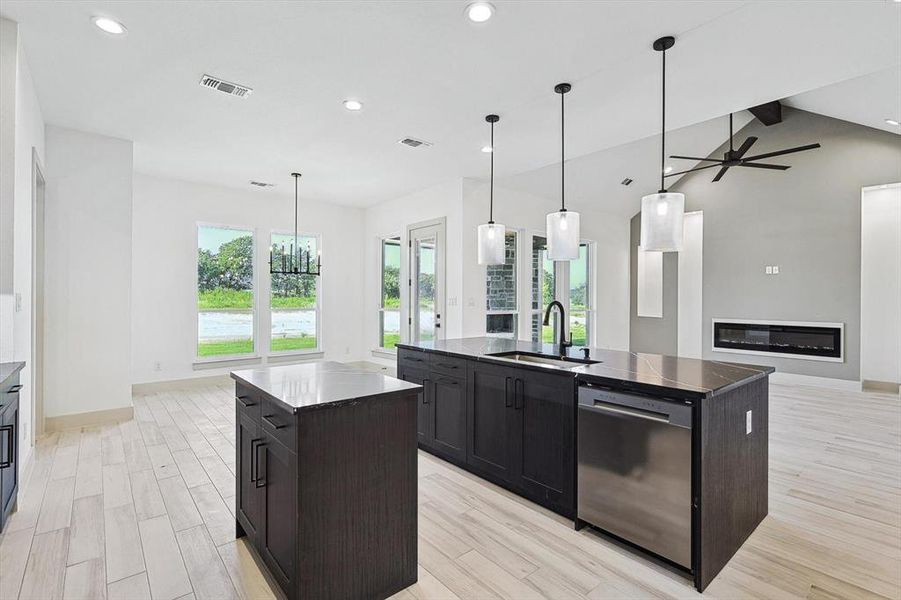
column 626, row 181
column 232, row 89
column 262, row 184
column 414, row 143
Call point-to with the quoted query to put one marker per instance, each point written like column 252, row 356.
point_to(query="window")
column 579, row 312
column 566, row 281
column 294, row 300
column 500, row 296
column 389, row 304
column 225, row 316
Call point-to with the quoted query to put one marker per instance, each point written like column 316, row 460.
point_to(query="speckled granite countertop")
column 320, row 384
column 701, row 377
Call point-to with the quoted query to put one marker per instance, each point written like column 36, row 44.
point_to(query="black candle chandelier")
column 293, row 259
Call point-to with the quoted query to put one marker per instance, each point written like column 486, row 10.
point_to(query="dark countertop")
column 10, row 368
column 686, row 375
column 320, row 384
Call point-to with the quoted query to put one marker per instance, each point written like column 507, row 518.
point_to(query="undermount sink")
column 560, row 362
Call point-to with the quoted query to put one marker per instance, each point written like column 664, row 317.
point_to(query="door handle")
column 259, row 481
column 273, row 423
column 508, row 402
column 243, row 403
column 15, row 388
column 517, row 395
column 4, row 464
column 638, row 413
column 253, row 459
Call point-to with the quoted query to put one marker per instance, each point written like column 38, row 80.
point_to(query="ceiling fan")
column 736, row 158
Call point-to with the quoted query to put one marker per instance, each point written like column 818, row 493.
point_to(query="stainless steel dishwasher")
column 634, row 473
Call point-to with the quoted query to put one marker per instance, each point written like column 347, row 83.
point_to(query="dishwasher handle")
column 636, row 406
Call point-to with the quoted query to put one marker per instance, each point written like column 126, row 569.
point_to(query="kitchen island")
column 523, row 415
column 326, row 478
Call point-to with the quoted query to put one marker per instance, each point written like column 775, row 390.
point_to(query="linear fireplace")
column 789, row 339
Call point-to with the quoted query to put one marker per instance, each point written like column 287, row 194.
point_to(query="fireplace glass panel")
column 779, row 339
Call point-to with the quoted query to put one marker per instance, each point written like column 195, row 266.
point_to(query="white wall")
column 392, row 218
column 521, row 211
column 22, row 134
column 880, row 284
column 164, row 267
column 690, row 328
column 88, row 265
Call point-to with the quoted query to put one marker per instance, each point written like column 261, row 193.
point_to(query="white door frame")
column 38, row 262
column 438, row 228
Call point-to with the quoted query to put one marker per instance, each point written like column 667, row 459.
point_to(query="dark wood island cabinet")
column 326, row 478
column 9, row 438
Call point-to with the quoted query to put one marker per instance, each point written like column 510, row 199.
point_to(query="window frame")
column 255, row 282
column 515, row 312
column 318, row 310
column 381, row 308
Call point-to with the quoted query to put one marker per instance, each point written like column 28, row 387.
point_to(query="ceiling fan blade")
column 720, row 174
column 696, row 158
column 764, row 166
column 781, row 152
column 691, row 170
column 745, row 146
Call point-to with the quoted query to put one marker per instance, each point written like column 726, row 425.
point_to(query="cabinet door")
column 423, row 406
column 9, row 476
column 489, row 417
column 248, row 501
column 448, row 424
column 278, row 530
column 545, row 407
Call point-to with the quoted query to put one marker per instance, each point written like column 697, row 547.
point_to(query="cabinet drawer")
column 412, row 358
column 247, row 402
column 279, row 423
column 448, row 365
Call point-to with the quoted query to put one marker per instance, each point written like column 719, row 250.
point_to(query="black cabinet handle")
column 413, row 359
column 273, row 422
column 508, row 402
column 259, row 481
column 4, row 464
column 241, row 399
column 425, row 391
column 15, row 388
column 447, row 381
column 518, row 401
column 447, row 365
column 253, row 459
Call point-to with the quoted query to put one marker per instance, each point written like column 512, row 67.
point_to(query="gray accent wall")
column 806, row 220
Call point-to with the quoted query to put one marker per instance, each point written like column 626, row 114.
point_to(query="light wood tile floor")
column 144, row 509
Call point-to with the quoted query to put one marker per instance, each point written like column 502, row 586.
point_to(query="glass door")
column 426, row 282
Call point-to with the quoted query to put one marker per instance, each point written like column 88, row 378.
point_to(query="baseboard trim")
column 179, row 384
column 87, row 419
column 885, row 387
column 848, row 385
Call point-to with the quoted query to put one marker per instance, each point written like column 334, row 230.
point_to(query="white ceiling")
column 422, row 70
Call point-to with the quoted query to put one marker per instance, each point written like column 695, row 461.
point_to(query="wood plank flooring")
column 145, row 509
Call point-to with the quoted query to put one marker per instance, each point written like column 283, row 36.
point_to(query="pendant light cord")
column 491, row 192
column 296, row 177
column 663, row 125
column 562, row 155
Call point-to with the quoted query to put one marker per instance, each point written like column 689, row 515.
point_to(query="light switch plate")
column 775, row 269
column 769, row 270
column 748, row 421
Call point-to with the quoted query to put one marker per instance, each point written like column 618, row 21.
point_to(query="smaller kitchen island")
column 326, row 478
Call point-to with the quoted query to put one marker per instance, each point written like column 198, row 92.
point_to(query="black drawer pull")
column 15, row 388
column 447, row 381
column 273, row 422
column 410, row 358
column 447, row 365
column 11, row 434
column 243, row 403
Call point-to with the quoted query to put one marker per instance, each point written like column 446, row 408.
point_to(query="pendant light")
column 563, row 225
column 662, row 213
column 293, row 260
column 491, row 234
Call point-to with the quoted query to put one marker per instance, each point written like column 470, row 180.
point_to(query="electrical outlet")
column 18, row 302
column 748, row 422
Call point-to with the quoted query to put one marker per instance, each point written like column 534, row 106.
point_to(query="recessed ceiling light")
column 487, row 149
column 893, row 121
column 668, row 170
column 353, row 105
column 479, row 12
column 110, row 26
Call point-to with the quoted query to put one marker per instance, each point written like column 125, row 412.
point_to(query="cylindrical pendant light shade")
column 491, row 244
column 563, row 235
column 662, row 215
